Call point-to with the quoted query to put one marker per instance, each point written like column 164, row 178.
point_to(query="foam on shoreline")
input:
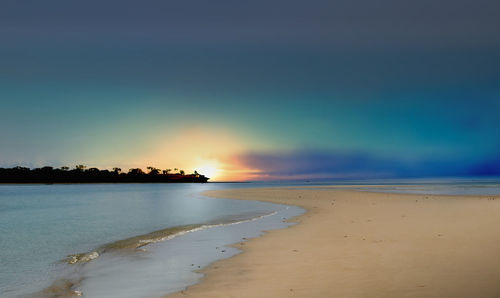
column 73, row 275
column 153, row 237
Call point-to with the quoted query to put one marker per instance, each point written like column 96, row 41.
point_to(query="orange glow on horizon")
column 209, row 170
column 210, row 152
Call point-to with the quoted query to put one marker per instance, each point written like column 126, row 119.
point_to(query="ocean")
column 44, row 228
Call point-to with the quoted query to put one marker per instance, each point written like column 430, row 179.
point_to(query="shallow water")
column 443, row 187
column 167, row 266
column 40, row 225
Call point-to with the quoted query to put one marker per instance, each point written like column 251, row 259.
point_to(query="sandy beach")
column 363, row 244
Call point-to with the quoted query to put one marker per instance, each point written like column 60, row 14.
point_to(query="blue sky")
column 394, row 89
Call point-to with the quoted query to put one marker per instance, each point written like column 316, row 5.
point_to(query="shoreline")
column 95, row 225
column 353, row 243
column 71, row 286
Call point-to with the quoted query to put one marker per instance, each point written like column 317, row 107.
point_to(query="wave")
column 139, row 241
column 69, row 284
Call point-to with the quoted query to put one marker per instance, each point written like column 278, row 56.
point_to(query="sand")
column 361, row 244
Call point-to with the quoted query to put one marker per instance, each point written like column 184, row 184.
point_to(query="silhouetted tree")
column 135, row 171
column 153, row 170
column 165, row 172
column 24, row 169
column 80, row 167
column 181, row 172
column 64, row 168
column 117, row 170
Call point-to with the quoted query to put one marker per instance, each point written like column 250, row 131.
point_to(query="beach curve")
column 364, row 244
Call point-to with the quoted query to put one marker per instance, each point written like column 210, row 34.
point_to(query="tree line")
column 82, row 174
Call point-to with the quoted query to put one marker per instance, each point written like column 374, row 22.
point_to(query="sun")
column 208, row 170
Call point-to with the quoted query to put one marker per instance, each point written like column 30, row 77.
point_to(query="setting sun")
column 209, row 170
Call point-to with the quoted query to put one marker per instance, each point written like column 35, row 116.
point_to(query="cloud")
column 489, row 167
column 317, row 164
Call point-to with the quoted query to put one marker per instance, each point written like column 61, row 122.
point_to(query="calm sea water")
column 458, row 186
column 40, row 225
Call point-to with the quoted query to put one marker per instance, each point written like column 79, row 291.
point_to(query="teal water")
column 42, row 224
column 457, row 186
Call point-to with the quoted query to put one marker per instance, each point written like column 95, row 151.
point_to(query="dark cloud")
column 489, row 167
column 323, row 164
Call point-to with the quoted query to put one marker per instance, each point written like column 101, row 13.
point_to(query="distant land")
column 82, row 174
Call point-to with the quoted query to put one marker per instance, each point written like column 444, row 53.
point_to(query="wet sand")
column 361, row 244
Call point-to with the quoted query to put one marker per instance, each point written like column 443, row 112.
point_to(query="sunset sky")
column 254, row 90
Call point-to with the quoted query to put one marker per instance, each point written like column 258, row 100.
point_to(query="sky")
column 253, row 90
